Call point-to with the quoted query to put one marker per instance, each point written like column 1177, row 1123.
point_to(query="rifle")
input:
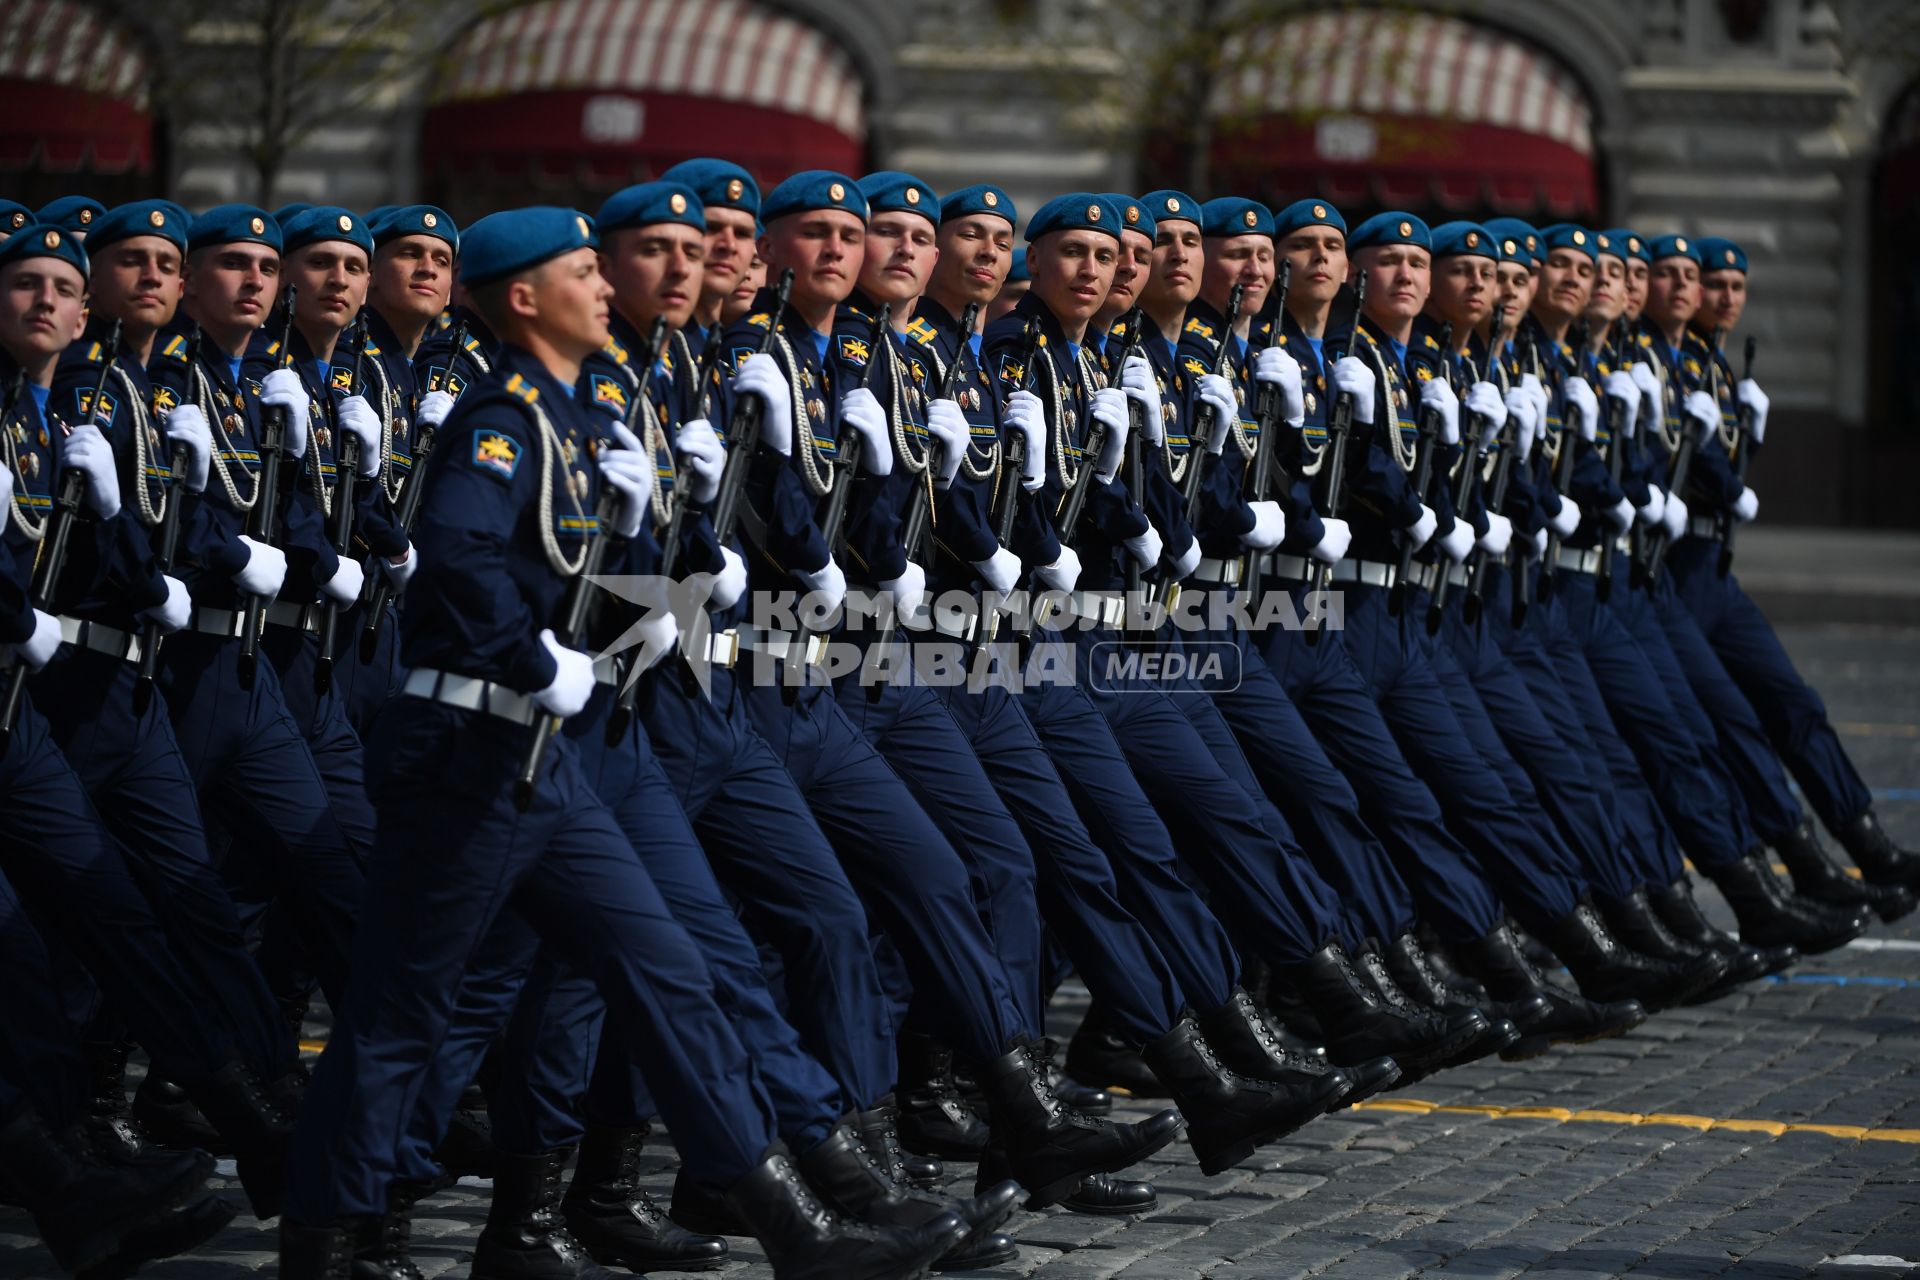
column 346, row 453
column 1497, row 338
column 1339, row 428
column 702, row 371
column 1013, row 460
column 412, row 490
column 143, row 684
column 743, row 434
column 1068, row 521
column 1616, row 464
column 629, row 697
column 1563, row 476
column 1522, row 580
column 1196, row 464
column 1742, row 455
column 1677, row 478
column 1266, row 411
column 59, row 533
column 273, row 449
column 1428, row 432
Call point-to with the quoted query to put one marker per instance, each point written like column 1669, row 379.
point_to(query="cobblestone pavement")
column 1775, row 1133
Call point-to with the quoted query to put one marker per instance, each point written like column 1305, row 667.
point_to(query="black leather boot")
column 1230, row 1115
column 1769, row 916
column 1051, row 1147
column 1101, row 1056
column 1249, row 1042
column 1499, row 961
column 1098, row 1194
column 321, row 1253
column 1456, row 978
column 617, row 1222
column 1817, row 876
column 704, row 1210
column 934, row 1119
column 114, row 1129
column 1494, row 1034
column 167, row 1113
column 525, row 1237
column 467, row 1149
column 1634, row 922
column 845, row 1175
column 878, row 1127
column 1675, row 905
column 1412, row 965
column 1361, row 1025
column 1606, row 969
column 1086, row 1099
column 383, row 1246
column 235, row 1102
column 806, row 1241
column 1880, row 860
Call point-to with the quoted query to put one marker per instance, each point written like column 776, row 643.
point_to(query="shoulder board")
column 496, row 453
column 373, row 349
column 921, row 332
column 761, row 320
column 608, row 390
column 1119, row 330
column 1361, row 335
column 1433, row 344
column 614, row 349
column 273, row 348
column 520, row 387
column 473, row 344
column 854, row 351
column 1198, row 326
column 176, row 348
column 666, row 358
column 95, row 353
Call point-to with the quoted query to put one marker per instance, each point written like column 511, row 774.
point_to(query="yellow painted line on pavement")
column 1869, row 729
column 1670, row 1119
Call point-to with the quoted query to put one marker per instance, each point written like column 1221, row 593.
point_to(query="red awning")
column 73, row 92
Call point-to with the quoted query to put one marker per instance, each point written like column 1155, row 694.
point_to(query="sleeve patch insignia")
column 83, row 407
column 496, row 453
column 855, row 351
column 607, row 390
column 740, row 356
column 342, row 378
column 164, row 400
column 1012, row 370
column 1195, row 367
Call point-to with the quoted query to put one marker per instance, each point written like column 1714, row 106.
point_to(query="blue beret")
column 43, row 240
column 1524, row 233
column 13, row 216
column 1307, row 213
column 891, row 191
column 501, row 244
column 1168, row 205
column 391, row 222
column 1390, row 228
column 982, row 197
column 650, row 203
column 72, row 213
column 1567, row 235
column 161, row 218
column 1514, row 249
column 322, row 223
column 814, row 189
column 1464, row 240
column 378, row 212
column 1018, row 271
column 1235, row 216
column 1133, row 213
column 1717, row 253
column 1626, row 243
column 719, row 184
column 233, row 224
column 1075, row 211
column 1673, row 247
column 288, row 212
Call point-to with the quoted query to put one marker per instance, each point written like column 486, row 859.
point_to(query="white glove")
column 1746, row 506
column 1277, row 368
column 1145, row 548
column 434, row 408
column 1704, row 412
column 1674, row 518
column 1269, row 526
column 1619, row 515
column 1499, row 535
column 1217, row 391
column 1025, row 414
column 1437, row 395
column 171, row 613
column 1655, row 508
column 1583, row 409
column 88, row 451
column 282, row 389
column 1000, row 571
column 827, row 581
column 1566, row 519
column 730, row 583
column 1539, row 543
column 37, row 650
column 948, row 426
column 399, row 572
column 186, row 428
column 860, row 410
column 1423, row 528
column 264, row 571
column 1485, row 406
column 1351, row 376
column 629, row 473
column 654, row 634
column 1646, row 380
column 1062, row 573
column 1110, row 411
column 1621, row 387
column 572, row 679
column 761, row 376
column 6, row 487
column 1137, row 380
column 1530, row 383
column 1334, row 541
column 908, row 591
column 1749, row 394
column 1456, row 542
column 1187, row 561
column 356, row 417
column 343, row 588
column 702, row 459
column 1526, row 420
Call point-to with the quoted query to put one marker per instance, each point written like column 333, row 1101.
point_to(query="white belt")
column 1097, row 607
column 1422, row 576
column 1457, row 574
column 1587, row 561
column 225, row 623
column 1218, row 573
column 956, row 624
column 723, row 647
column 606, row 671
column 301, row 617
column 111, row 641
column 1703, row 526
column 1292, row 568
column 1369, row 573
column 471, row 694
column 778, row 644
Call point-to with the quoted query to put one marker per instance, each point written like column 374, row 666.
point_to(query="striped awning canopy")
column 73, row 90
column 1406, row 109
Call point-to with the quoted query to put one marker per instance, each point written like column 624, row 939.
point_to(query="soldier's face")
column 655, row 271
column 412, row 276
column 976, row 252
column 332, row 279
column 740, row 301
column 566, row 302
column 1177, row 257
column 900, row 254
column 1243, row 260
column 1072, row 271
column 824, row 247
column 1673, row 292
column 1130, row 273
column 729, row 249
column 43, row 307
column 1513, row 288
column 137, row 280
column 232, row 286
column 1319, row 259
column 1609, row 289
column 1566, row 283
column 1723, row 298
column 1463, row 289
column 1636, row 288
column 1399, row 278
